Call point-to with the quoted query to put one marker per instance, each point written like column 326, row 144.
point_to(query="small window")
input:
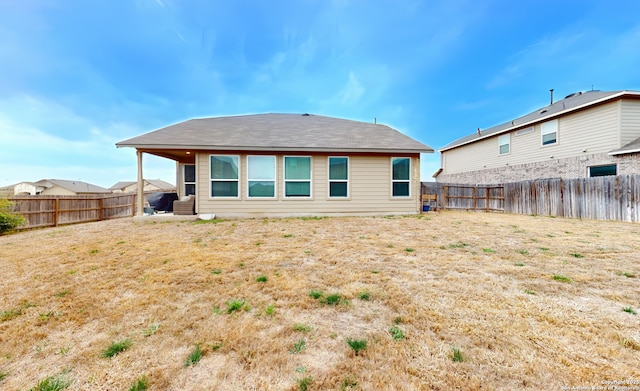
column 261, row 176
column 504, row 143
column 524, row 131
column 401, row 176
column 224, row 176
column 549, row 132
column 189, row 179
column 297, row 176
column 338, row 177
column 609, row 169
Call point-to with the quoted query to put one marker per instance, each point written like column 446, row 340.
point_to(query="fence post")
column 133, row 205
column 475, row 198
column 444, row 197
column 486, row 203
column 56, row 210
column 100, row 211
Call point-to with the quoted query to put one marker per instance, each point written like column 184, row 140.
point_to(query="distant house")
column 149, row 186
column 585, row 134
column 289, row 165
column 58, row 187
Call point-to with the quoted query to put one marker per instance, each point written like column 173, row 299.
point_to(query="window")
column 261, row 176
column 549, row 132
column 189, row 179
column 524, row 131
column 297, row 176
column 401, row 176
column 224, row 176
column 504, row 143
column 338, row 177
column 609, row 169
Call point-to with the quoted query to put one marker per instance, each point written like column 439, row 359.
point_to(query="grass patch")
column 270, row 310
column 149, row 331
column 529, row 292
column 335, row 299
column 458, row 244
column 456, row 355
column 116, row 348
column 141, row 384
column 488, row 250
column 52, row 383
column 216, row 271
column 409, row 250
column 357, row 345
column 3, row 375
column 194, row 357
column 235, row 305
column 316, row 294
column 298, row 347
column 62, row 293
column 10, row 314
column 576, row 255
column 302, row 327
column 396, row 333
column 630, row 310
column 522, row 252
column 519, row 264
column 561, row 278
column 626, row 274
column 304, row 383
column 364, row 295
column 262, row 278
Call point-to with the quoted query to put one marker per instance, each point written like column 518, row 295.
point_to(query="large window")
column 401, row 176
column 189, row 179
column 297, row 176
column 609, row 169
column 338, row 177
column 261, row 176
column 224, row 176
column 549, row 132
column 504, row 143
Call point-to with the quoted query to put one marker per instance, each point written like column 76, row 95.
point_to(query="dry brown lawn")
column 480, row 283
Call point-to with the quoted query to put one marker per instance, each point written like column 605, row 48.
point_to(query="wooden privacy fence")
column 599, row 198
column 51, row 211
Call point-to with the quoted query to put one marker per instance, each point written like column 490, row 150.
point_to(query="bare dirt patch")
column 529, row 302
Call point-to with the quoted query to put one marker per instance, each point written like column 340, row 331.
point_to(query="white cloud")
column 351, row 92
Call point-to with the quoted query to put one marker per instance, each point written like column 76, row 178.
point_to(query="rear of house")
column 272, row 165
column 586, row 134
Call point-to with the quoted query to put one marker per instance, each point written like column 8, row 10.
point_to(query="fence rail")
column 599, row 198
column 51, row 211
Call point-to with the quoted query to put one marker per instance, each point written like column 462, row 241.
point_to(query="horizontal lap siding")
column 630, row 121
column 369, row 188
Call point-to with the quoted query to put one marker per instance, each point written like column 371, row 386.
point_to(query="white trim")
column 284, row 178
column 275, row 178
column 551, row 127
column 329, row 180
column 211, row 180
column 400, row 180
column 501, row 143
column 184, row 178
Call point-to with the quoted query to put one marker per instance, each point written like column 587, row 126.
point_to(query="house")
column 586, row 134
column 58, row 187
column 150, row 185
column 271, row 165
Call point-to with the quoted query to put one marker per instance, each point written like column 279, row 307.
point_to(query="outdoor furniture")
column 185, row 206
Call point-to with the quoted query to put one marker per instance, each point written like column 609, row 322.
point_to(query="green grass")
column 52, row 383
column 398, row 320
column 305, row 328
column 194, row 357
column 316, row 294
column 529, row 292
column 364, row 295
column 561, row 278
column 235, row 305
column 357, row 345
column 304, row 383
column 10, row 314
column 488, row 250
column 298, row 346
column 396, row 333
column 116, row 348
column 458, row 244
column 522, row 252
column 456, row 355
column 518, row 264
column 262, row 278
column 576, row 255
column 270, row 310
column 630, row 310
column 149, row 331
column 62, row 293
column 348, row 382
column 409, row 250
column 3, row 374
column 141, row 384
column 627, row 274
column 335, row 299
column 216, row 271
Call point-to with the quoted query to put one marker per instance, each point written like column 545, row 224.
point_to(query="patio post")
column 140, row 208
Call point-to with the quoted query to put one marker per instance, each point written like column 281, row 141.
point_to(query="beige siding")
column 369, row 190
column 57, row 190
column 587, row 132
column 630, row 121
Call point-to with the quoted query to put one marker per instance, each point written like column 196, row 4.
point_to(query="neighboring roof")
column 571, row 103
column 282, row 132
column 632, row 147
column 159, row 183
column 75, row 186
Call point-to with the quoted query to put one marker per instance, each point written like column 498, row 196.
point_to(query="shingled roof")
column 571, row 103
column 278, row 132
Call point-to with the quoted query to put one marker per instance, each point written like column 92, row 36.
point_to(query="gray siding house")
column 586, row 134
column 274, row 165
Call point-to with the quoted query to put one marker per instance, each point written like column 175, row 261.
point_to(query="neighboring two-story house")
column 267, row 165
column 586, row 134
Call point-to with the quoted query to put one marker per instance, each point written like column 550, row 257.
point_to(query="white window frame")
column 285, row 180
column 501, row 143
column 184, row 179
column 237, row 180
column 275, row 178
column 546, row 128
column 401, row 180
column 347, row 181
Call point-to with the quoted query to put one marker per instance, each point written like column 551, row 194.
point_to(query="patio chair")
column 185, row 206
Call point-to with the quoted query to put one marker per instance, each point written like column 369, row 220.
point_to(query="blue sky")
column 77, row 76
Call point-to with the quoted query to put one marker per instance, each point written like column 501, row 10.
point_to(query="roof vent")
column 572, row 95
column 542, row 111
column 305, row 114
